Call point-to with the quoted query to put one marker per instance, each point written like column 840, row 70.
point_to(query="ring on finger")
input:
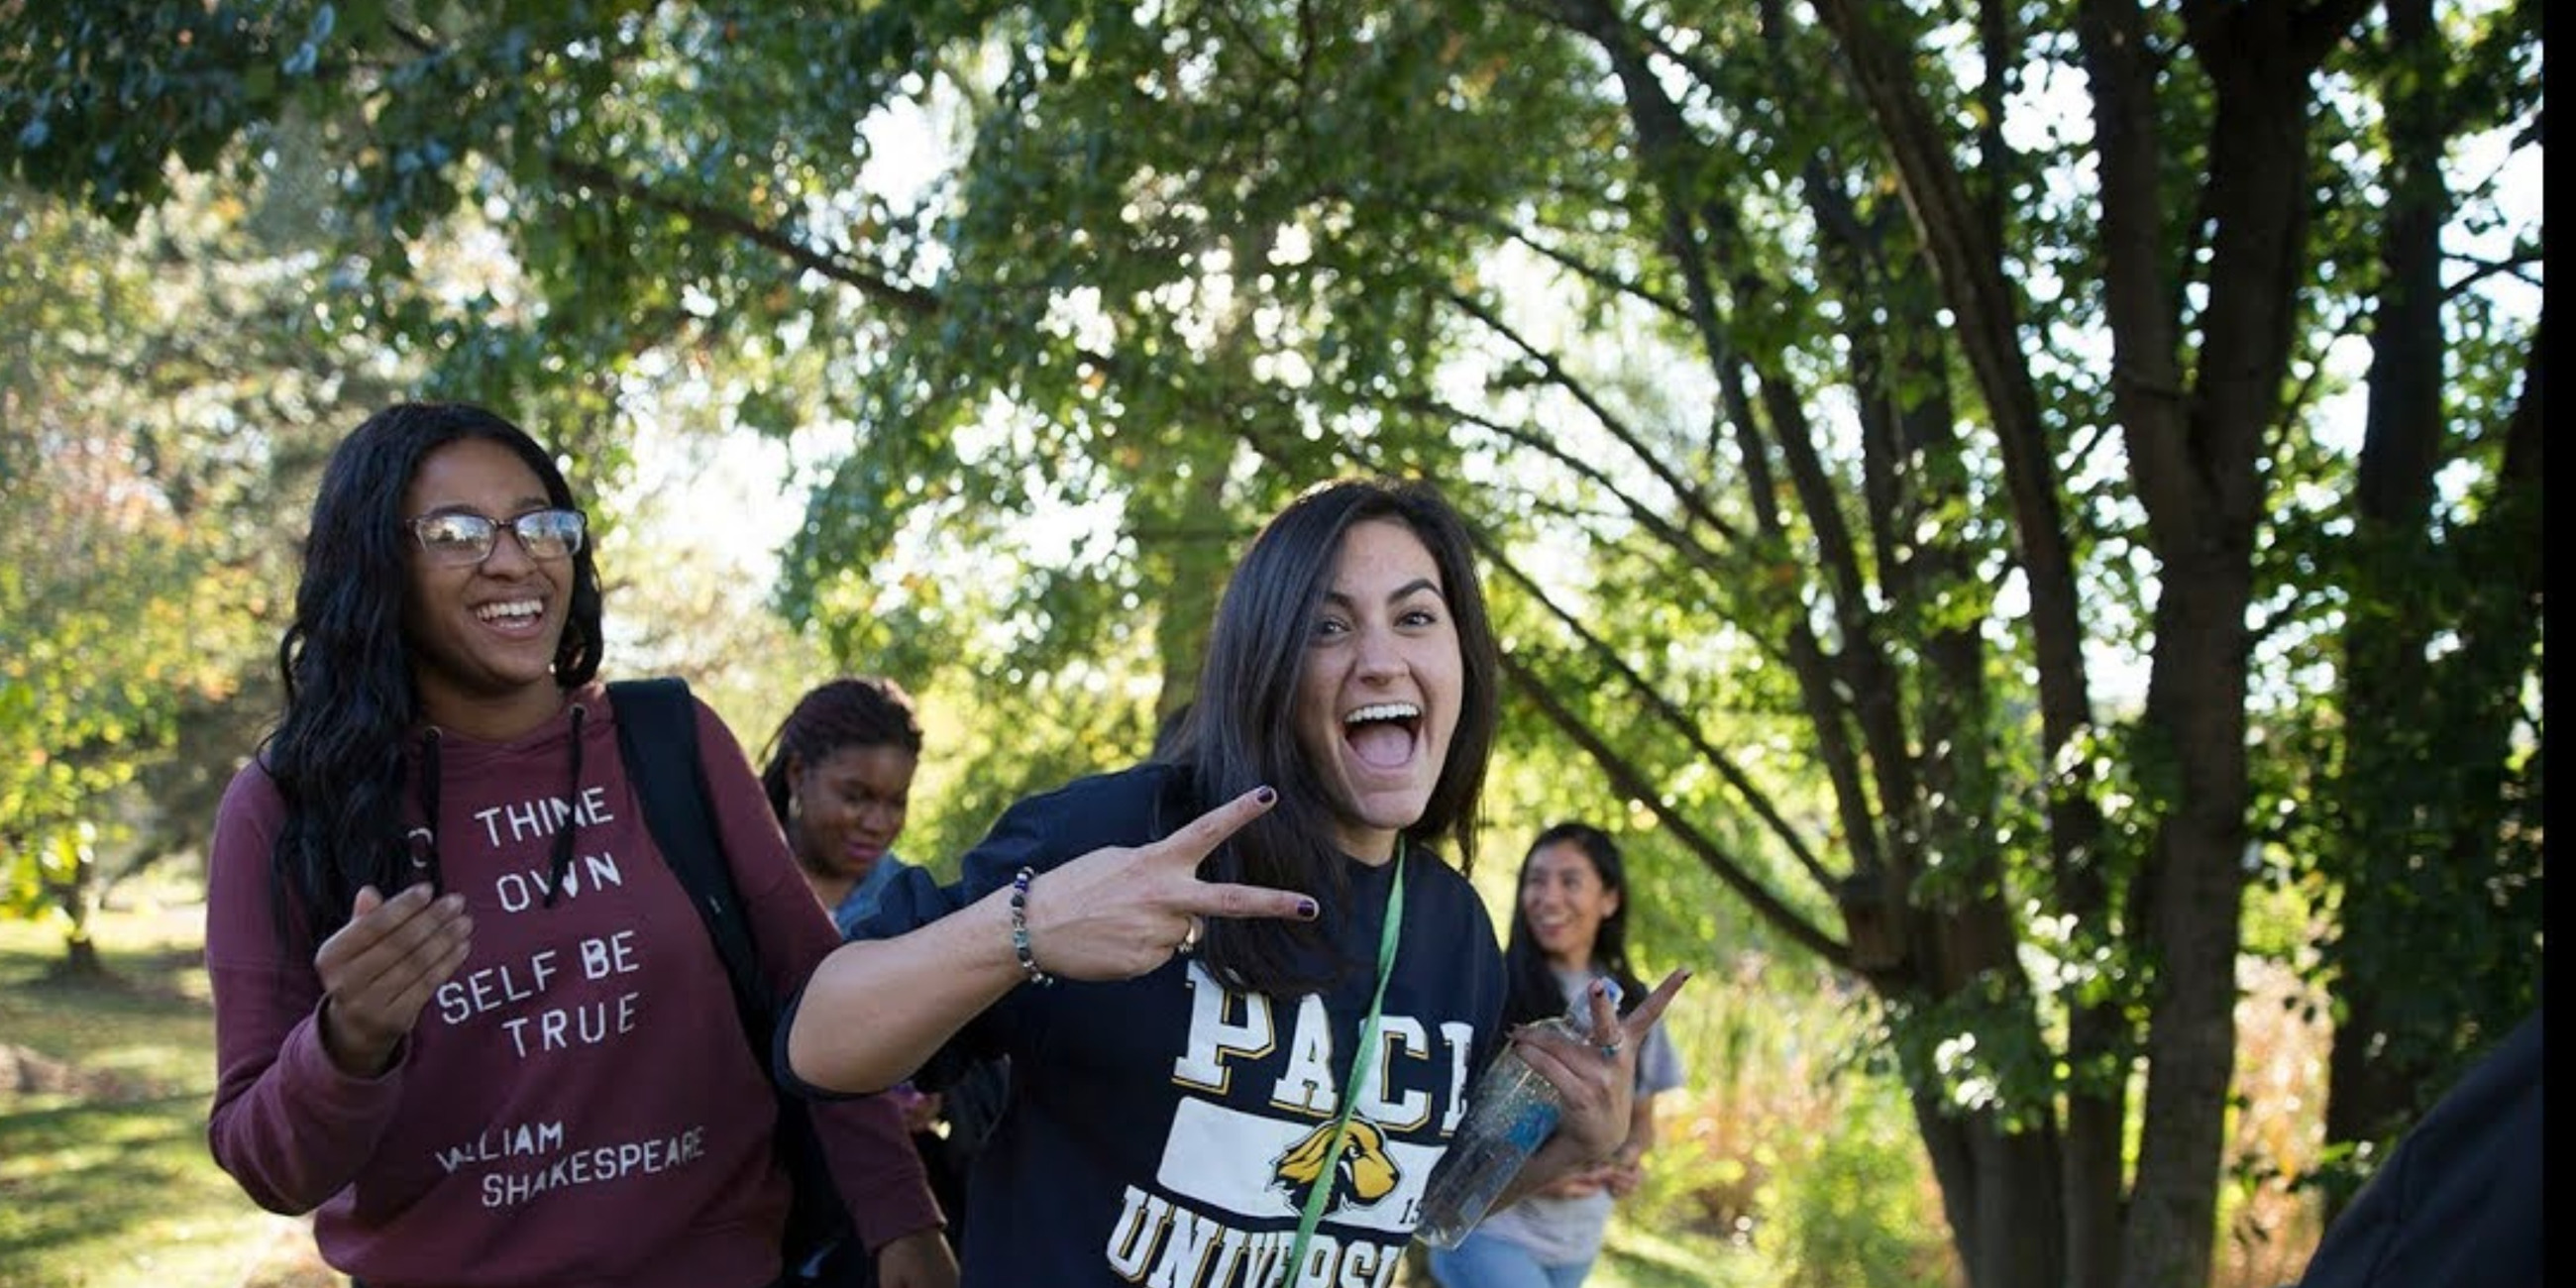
column 1609, row 1050
column 1189, row 940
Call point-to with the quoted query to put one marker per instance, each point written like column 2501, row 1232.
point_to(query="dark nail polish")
column 1306, row 909
column 1267, row 795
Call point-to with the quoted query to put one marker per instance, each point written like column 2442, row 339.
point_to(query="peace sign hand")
column 1596, row 1073
column 1121, row 911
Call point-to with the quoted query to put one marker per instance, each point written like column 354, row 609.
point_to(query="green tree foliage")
column 103, row 595
column 2430, row 788
column 113, row 610
column 1905, row 439
column 162, row 385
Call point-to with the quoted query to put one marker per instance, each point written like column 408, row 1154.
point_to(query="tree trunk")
column 2192, row 919
column 2196, row 471
column 1187, row 547
column 80, row 958
column 2379, row 1065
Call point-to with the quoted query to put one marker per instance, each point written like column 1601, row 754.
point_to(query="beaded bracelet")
column 1020, row 927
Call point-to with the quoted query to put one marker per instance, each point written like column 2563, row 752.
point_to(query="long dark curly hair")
column 1533, row 992
column 1240, row 730
column 340, row 752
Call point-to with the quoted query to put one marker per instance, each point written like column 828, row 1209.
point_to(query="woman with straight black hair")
column 1569, row 929
column 1242, row 994
column 465, row 1013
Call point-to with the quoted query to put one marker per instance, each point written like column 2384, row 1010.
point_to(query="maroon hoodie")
column 578, row 1104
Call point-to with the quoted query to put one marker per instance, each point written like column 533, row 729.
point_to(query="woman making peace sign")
column 1243, row 1021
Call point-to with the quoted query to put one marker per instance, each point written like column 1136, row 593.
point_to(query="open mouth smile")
column 1383, row 734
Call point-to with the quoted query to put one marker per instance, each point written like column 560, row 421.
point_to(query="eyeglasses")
column 463, row 539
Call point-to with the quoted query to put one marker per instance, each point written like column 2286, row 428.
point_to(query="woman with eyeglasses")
column 464, row 1012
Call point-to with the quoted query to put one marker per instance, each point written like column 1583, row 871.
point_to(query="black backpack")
column 657, row 734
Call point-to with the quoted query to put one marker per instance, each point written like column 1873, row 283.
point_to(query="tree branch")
column 1679, row 721
column 915, row 304
column 1633, row 784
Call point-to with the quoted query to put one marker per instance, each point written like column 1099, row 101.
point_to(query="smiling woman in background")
column 1569, row 928
column 839, row 776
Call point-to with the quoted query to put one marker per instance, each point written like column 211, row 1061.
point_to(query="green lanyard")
column 1323, row 1186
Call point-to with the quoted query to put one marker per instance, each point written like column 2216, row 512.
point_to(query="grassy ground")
column 104, row 1177
column 105, row 1181
column 1637, row 1258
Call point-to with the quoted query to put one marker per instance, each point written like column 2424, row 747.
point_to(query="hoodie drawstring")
column 424, row 846
column 572, row 816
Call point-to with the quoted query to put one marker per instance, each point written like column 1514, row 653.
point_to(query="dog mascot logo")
column 1362, row 1175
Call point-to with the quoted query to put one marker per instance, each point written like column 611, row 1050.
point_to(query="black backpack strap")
column 657, row 734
